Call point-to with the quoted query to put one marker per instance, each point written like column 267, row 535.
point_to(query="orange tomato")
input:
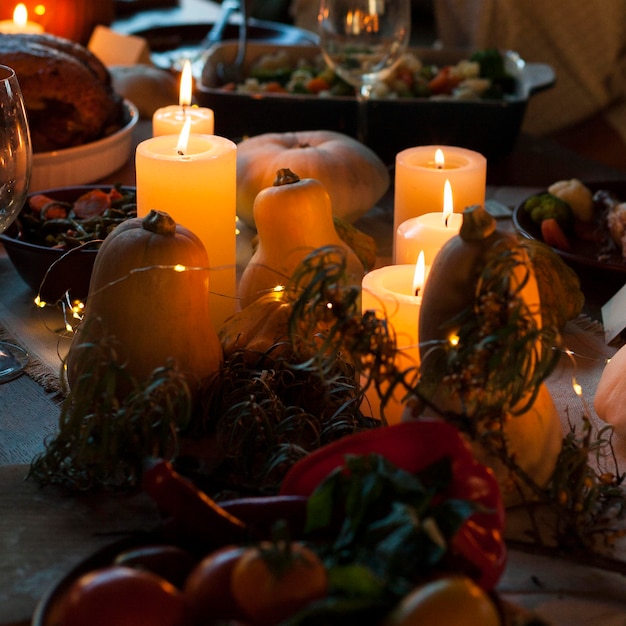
column 122, row 596
column 452, row 601
column 270, row 583
column 208, row 589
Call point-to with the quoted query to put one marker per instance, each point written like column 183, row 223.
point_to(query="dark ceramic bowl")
column 487, row 126
column 47, row 271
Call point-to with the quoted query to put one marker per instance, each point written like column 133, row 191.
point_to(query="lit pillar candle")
column 169, row 120
column 393, row 293
column 427, row 233
column 20, row 24
column 420, row 176
column 196, row 184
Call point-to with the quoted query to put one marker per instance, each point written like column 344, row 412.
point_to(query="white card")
column 117, row 49
column 614, row 315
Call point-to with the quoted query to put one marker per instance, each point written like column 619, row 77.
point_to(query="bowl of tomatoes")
column 54, row 240
column 421, row 103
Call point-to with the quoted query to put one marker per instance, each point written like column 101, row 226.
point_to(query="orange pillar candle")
column 420, row 176
column 427, row 233
column 394, row 292
column 169, row 120
column 20, row 23
column 196, row 185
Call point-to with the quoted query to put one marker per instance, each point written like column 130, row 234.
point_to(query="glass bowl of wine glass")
column 16, row 161
column 489, row 126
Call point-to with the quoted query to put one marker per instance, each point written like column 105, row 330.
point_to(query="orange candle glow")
column 20, row 23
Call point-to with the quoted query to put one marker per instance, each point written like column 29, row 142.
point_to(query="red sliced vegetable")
column 92, row 204
column 554, row 236
column 413, row 446
column 190, row 510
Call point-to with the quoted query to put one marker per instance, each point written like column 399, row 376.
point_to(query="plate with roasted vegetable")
column 434, row 96
column 585, row 223
column 54, row 241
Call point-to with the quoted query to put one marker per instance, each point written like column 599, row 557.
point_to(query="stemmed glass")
column 15, row 170
column 362, row 41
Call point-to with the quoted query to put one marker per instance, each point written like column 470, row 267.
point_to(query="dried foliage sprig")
column 104, row 435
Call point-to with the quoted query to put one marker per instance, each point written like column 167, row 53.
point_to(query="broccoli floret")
column 491, row 63
column 546, row 205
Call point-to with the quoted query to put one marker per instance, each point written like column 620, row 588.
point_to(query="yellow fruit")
column 454, row 601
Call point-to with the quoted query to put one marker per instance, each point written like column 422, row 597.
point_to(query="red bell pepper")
column 413, row 446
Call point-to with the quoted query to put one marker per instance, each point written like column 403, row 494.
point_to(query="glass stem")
column 362, row 99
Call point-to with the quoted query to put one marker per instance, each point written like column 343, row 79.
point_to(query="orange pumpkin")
column 353, row 175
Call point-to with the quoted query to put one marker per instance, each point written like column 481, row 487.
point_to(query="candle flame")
column 20, row 15
column 448, row 205
column 183, row 139
column 440, row 160
column 418, row 276
column 184, row 98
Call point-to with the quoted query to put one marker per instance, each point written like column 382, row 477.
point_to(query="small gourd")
column 153, row 311
column 535, row 435
column 293, row 218
column 259, row 327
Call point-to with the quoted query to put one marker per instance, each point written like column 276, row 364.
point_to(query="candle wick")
column 417, row 291
column 181, row 153
column 445, row 221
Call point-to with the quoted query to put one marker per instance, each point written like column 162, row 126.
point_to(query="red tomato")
column 208, row 586
column 122, row 596
column 268, row 591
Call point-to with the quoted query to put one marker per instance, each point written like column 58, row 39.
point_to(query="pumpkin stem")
column 159, row 222
column 285, row 176
column 478, row 223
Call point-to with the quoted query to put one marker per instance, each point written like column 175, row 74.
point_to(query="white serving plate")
column 85, row 164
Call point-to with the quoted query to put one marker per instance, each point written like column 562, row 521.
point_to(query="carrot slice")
column 92, row 204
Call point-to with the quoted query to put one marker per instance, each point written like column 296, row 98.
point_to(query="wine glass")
column 15, row 170
column 362, row 41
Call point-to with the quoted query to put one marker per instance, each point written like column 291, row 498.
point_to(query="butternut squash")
column 137, row 297
column 294, row 218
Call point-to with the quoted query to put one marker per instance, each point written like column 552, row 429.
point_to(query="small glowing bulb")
column 40, row 303
column 179, row 268
column 454, row 340
column 578, row 390
column 278, row 288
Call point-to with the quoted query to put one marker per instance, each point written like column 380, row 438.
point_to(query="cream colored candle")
column 20, row 24
column 391, row 292
column 420, row 178
column 198, row 189
column 427, row 233
column 169, row 120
